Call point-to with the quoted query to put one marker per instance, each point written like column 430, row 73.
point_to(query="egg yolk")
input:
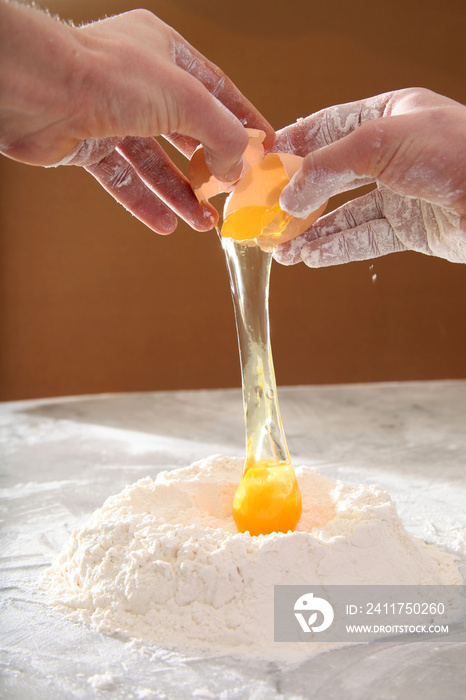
column 253, row 221
column 261, row 185
column 267, row 500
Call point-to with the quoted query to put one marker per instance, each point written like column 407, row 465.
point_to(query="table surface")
column 61, row 458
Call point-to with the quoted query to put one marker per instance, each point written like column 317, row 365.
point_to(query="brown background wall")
column 92, row 301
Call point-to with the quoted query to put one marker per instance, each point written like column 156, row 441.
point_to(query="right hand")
column 97, row 95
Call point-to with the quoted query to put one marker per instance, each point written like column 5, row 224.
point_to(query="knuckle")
column 119, row 176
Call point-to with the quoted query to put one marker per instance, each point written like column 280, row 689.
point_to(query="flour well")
column 162, row 561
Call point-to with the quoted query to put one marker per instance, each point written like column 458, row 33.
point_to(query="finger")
column 365, row 242
column 184, row 144
column 302, row 139
column 352, row 161
column 355, row 222
column 221, row 87
column 319, row 137
column 215, row 122
column 329, row 125
column 371, row 240
column 358, row 211
column 118, row 177
column 202, row 117
column 160, row 174
column 323, row 174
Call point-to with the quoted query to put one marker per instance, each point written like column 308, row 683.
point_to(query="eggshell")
column 206, row 185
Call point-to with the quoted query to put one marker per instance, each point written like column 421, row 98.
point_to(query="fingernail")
column 235, row 172
column 288, row 201
column 297, row 200
column 311, row 256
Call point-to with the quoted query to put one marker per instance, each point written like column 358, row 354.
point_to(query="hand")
column 96, row 96
column 412, row 143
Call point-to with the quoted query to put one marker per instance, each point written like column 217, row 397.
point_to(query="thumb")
column 204, row 118
column 224, row 139
column 324, row 173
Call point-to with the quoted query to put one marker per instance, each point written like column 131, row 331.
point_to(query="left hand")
column 412, row 144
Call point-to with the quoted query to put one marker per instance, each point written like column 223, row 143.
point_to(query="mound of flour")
column 162, row 561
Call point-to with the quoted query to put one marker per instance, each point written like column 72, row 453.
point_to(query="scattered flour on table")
column 163, row 563
column 102, row 681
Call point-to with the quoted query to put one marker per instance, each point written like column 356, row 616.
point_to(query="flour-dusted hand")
column 97, row 95
column 412, row 144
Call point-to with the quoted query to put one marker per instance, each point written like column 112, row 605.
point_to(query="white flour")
column 162, row 561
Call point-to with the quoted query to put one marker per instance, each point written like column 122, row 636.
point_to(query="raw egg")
column 267, row 499
column 252, row 210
